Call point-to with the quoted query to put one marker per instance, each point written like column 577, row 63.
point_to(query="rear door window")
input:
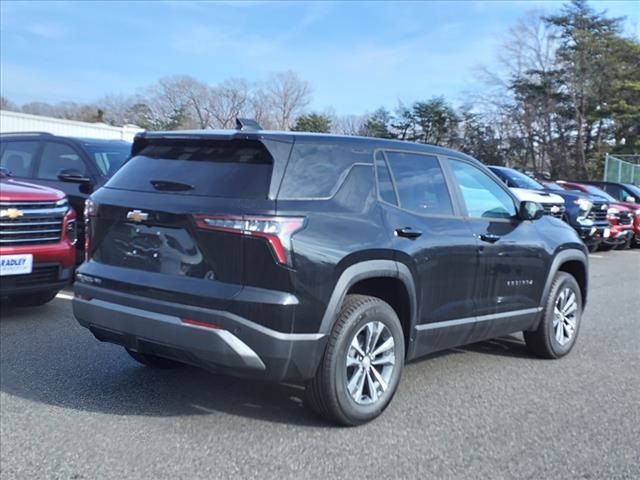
column 215, row 168
column 18, row 157
column 421, row 187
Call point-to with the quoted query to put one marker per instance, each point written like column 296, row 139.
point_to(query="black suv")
column 321, row 260
column 76, row 166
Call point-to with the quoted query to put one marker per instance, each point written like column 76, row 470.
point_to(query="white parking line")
column 595, row 256
column 64, row 296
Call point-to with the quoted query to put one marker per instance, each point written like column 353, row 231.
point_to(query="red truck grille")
column 30, row 223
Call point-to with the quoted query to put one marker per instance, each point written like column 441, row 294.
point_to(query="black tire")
column 33, row 299
column 154, row 361
column 543, row 342
column 626, row 245
column 605, row 247
column 326, row 393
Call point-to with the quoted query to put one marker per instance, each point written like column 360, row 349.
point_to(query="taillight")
column 277, row 231
column 90, row 211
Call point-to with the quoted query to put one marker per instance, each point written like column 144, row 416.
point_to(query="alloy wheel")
column 370, row 362
column 565, row 316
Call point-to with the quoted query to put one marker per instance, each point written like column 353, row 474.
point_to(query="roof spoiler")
column 247, row 124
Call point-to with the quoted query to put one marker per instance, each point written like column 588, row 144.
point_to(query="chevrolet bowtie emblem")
column 137, row 216
column 11, row 213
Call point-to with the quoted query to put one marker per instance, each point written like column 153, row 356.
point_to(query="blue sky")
column 356, row 56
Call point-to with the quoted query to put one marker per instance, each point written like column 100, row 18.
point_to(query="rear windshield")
column 222, row 168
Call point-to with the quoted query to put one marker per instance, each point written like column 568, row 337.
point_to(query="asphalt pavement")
column 74, row 408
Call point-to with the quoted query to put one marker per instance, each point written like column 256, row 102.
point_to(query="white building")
column 23, row 122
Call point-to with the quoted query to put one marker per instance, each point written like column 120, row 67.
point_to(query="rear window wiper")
column 170, row 186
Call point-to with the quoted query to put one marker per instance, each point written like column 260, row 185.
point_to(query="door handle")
column 407, row 232
column 489, row 237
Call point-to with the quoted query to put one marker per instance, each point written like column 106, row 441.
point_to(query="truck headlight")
column 584, row 204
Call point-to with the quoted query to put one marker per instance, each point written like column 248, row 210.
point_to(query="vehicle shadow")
column 51, row 360
column 56, row 362
column 507, row 346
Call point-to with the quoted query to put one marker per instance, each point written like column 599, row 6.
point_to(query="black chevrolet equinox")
column 320, row 260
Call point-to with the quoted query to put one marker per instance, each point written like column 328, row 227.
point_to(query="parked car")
column 37, row 242
column 77, row 166
column 624, row 217
column 587, row 214
column 321, row 260
column 623, row 192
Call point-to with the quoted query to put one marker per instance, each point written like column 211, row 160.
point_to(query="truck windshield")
column 521, row 180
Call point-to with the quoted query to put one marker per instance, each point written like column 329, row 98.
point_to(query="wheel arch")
column 575, row 263
column 388, row 280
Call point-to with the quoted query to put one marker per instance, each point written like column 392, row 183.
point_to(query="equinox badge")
column 137, row 216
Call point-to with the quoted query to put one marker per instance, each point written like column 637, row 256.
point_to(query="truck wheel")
column 154, row 361
column 626, row 245
column 34, row 299
column 560, row 322
column 362, row 364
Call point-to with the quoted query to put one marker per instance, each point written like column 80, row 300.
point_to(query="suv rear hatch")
column 180, row 218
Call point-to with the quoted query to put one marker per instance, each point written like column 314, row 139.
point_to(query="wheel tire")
column 593, row 248
column 327, row 393
column 154, row 361
column 545, row 342
column 626, row 245
column 605, row 247
column 34, row 299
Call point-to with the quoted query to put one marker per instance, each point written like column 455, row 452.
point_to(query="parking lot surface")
column 74, row 408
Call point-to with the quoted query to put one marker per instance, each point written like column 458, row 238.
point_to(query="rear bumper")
column 212, row 339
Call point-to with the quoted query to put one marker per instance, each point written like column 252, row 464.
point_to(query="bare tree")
column 260, row 108
column 287, row 96
column 117, row 109
column 6, row 104
column 348, row 124
column 227, row 101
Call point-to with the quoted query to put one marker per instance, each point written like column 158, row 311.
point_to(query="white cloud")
column 49, row 30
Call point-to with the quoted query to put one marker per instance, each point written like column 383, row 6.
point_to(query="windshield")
column 108, row 156
column 634, row 189
column 601, row 193
column 520, row 180
column 553, row 186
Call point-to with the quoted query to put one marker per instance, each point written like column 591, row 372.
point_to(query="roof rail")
column 247, row 124
column 29, row 134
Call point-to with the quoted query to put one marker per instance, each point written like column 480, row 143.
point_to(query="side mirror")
column 73, row 176
column 531, row 210
column 630, row 199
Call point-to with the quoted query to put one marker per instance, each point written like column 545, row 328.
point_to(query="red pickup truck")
column 37, row 242
column 624, row 217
